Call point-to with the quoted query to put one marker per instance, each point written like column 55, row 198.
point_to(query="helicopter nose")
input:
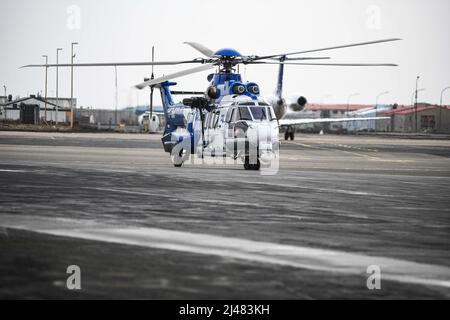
column 259, row 133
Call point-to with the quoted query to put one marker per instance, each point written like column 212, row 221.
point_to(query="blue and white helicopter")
column 230, row 119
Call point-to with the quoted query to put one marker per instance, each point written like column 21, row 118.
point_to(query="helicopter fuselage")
column 232, row 120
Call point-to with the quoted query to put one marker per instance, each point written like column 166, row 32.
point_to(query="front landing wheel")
column 253, row 167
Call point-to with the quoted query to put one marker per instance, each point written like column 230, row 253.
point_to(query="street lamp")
column 414, row 92
column 57, row 84
column 72, row 56
column 46, row 78
column 440, row 109
column 348, row 101
column 415, row 104
column 376, row 105
column 378, row 98
column 116, row 98
column 4, row 109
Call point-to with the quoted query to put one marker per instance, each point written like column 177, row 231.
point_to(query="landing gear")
column 249, row 166
column 289, row 135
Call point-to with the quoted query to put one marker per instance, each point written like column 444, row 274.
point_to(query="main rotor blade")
column 115, row 64
column 300, row 59
column 329, row 64
column 329, row 48
column 201, row 48
column 175, row 75
column 307, row 58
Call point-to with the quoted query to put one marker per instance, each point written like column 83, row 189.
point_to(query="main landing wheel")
column 289, row 135
column 249, row 166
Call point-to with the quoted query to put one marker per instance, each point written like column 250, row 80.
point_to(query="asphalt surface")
column 351, row 200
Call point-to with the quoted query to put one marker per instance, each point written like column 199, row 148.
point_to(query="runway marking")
column 176, row 197
column 323, row 146
column 319, row 189
column 11, row 170
column 236, row 248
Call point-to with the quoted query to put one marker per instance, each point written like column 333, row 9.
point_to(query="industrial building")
column 430, row 119
column 36, row 109
column 342, row 111
column 105, row 119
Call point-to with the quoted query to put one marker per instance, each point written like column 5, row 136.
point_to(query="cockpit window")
column 259, row 113
column 246, row 103
column 263, row 104
column 216, row 119
column 244, row 114
column 272, row 114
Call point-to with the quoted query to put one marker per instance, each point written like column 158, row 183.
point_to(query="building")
column 430, row 119
column 35, row 109
column 342, row 111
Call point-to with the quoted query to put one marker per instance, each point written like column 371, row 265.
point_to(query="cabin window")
column 216, row 119
column 208, row 120
column 233, row 114
column 229, row 115
column 272, row 114
column 213, row 119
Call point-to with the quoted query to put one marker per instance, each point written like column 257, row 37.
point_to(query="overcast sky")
column 113, row 30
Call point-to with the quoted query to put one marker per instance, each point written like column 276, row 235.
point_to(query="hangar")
column 430, row 119
column 35, row 109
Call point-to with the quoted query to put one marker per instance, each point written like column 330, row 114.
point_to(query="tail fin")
column 279, row 92
column 166, row 95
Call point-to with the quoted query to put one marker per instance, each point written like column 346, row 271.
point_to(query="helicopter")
column 230, row 119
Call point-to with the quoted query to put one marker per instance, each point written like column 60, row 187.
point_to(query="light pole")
column 72, row 56
column 378, row 98
column 116, row 97
column 440, row 109
column 6, row 99
column 376, row 107
column 415, row 104
column 412, row 95
column 46, row 78
column 57, row 84
column 348, row 101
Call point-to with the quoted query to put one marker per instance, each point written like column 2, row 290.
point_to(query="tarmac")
column 114, row 205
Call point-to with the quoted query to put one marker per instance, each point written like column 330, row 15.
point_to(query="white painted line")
column 262, row 252
column 10, row 170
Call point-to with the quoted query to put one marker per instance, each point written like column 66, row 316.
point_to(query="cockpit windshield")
column 259, row 113
column 254, row 113
column 244, row 114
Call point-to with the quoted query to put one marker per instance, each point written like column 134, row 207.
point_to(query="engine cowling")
column 299, row 105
